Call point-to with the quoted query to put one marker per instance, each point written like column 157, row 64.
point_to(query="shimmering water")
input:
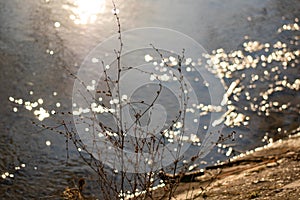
column 253, row 45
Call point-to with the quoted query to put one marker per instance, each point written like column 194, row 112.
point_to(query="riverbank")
column 270, row 172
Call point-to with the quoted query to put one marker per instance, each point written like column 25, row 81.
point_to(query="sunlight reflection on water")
column 85, row 11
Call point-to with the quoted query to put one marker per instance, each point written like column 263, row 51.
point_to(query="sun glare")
column 85, row 11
